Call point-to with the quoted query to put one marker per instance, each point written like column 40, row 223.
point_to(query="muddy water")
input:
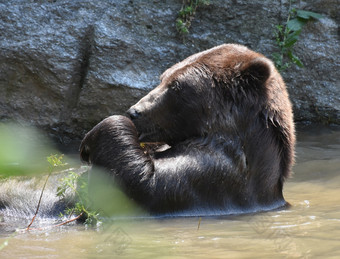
column 310, row 228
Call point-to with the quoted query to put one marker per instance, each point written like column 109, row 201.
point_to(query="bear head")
column 227, row 90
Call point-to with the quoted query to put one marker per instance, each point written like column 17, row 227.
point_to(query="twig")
column 69, row 221
column 37, row 210
column 58, row 225
column 199, row 223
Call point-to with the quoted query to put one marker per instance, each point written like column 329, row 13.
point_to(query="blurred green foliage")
column 78, row 185
column 107, row 197
column 23, row 151
column 95, row 199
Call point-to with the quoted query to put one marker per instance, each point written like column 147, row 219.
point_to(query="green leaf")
column 295, row 59
column 277, row 56
column 179, row 22
column 296, row 24
column 308, row 15
column 290, row 42
column 292, row 38
column 188, row 10
column 181, row 13
column 298, row 62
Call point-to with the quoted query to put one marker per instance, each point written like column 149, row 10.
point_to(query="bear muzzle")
column 133, row 113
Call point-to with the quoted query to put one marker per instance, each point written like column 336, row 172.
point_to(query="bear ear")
column 258, row 70
column 85, row 152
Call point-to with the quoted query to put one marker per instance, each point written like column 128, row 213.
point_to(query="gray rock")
column 65, row 65
column 315, row 89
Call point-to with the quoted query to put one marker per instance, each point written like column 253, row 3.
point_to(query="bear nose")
column 133, row 113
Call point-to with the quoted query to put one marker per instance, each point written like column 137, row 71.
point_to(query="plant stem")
column 41, row 194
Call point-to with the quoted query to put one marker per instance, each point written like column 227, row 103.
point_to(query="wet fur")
column 225, row 113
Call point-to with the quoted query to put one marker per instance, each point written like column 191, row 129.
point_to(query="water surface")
column 310, row 228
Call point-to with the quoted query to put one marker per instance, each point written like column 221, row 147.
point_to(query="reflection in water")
column 310, row 228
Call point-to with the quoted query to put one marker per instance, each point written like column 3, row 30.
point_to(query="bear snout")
column 133, row 113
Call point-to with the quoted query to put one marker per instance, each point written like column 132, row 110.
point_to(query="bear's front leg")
column 175, row 180
column 113, row 145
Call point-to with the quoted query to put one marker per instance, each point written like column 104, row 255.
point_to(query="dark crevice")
column 86, row 51
column 81, row 71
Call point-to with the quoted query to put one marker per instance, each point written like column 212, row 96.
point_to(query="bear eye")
column 175, row 86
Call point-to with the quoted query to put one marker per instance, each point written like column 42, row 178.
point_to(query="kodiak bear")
column 226, row 118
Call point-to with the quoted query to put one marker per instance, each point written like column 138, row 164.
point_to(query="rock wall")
column 65, row 65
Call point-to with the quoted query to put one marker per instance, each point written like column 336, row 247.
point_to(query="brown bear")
column 227, row 120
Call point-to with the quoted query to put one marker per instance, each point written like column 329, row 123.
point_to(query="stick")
column 58, row 225
column 41, row 194
column 69, row 221
column 199, row 223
